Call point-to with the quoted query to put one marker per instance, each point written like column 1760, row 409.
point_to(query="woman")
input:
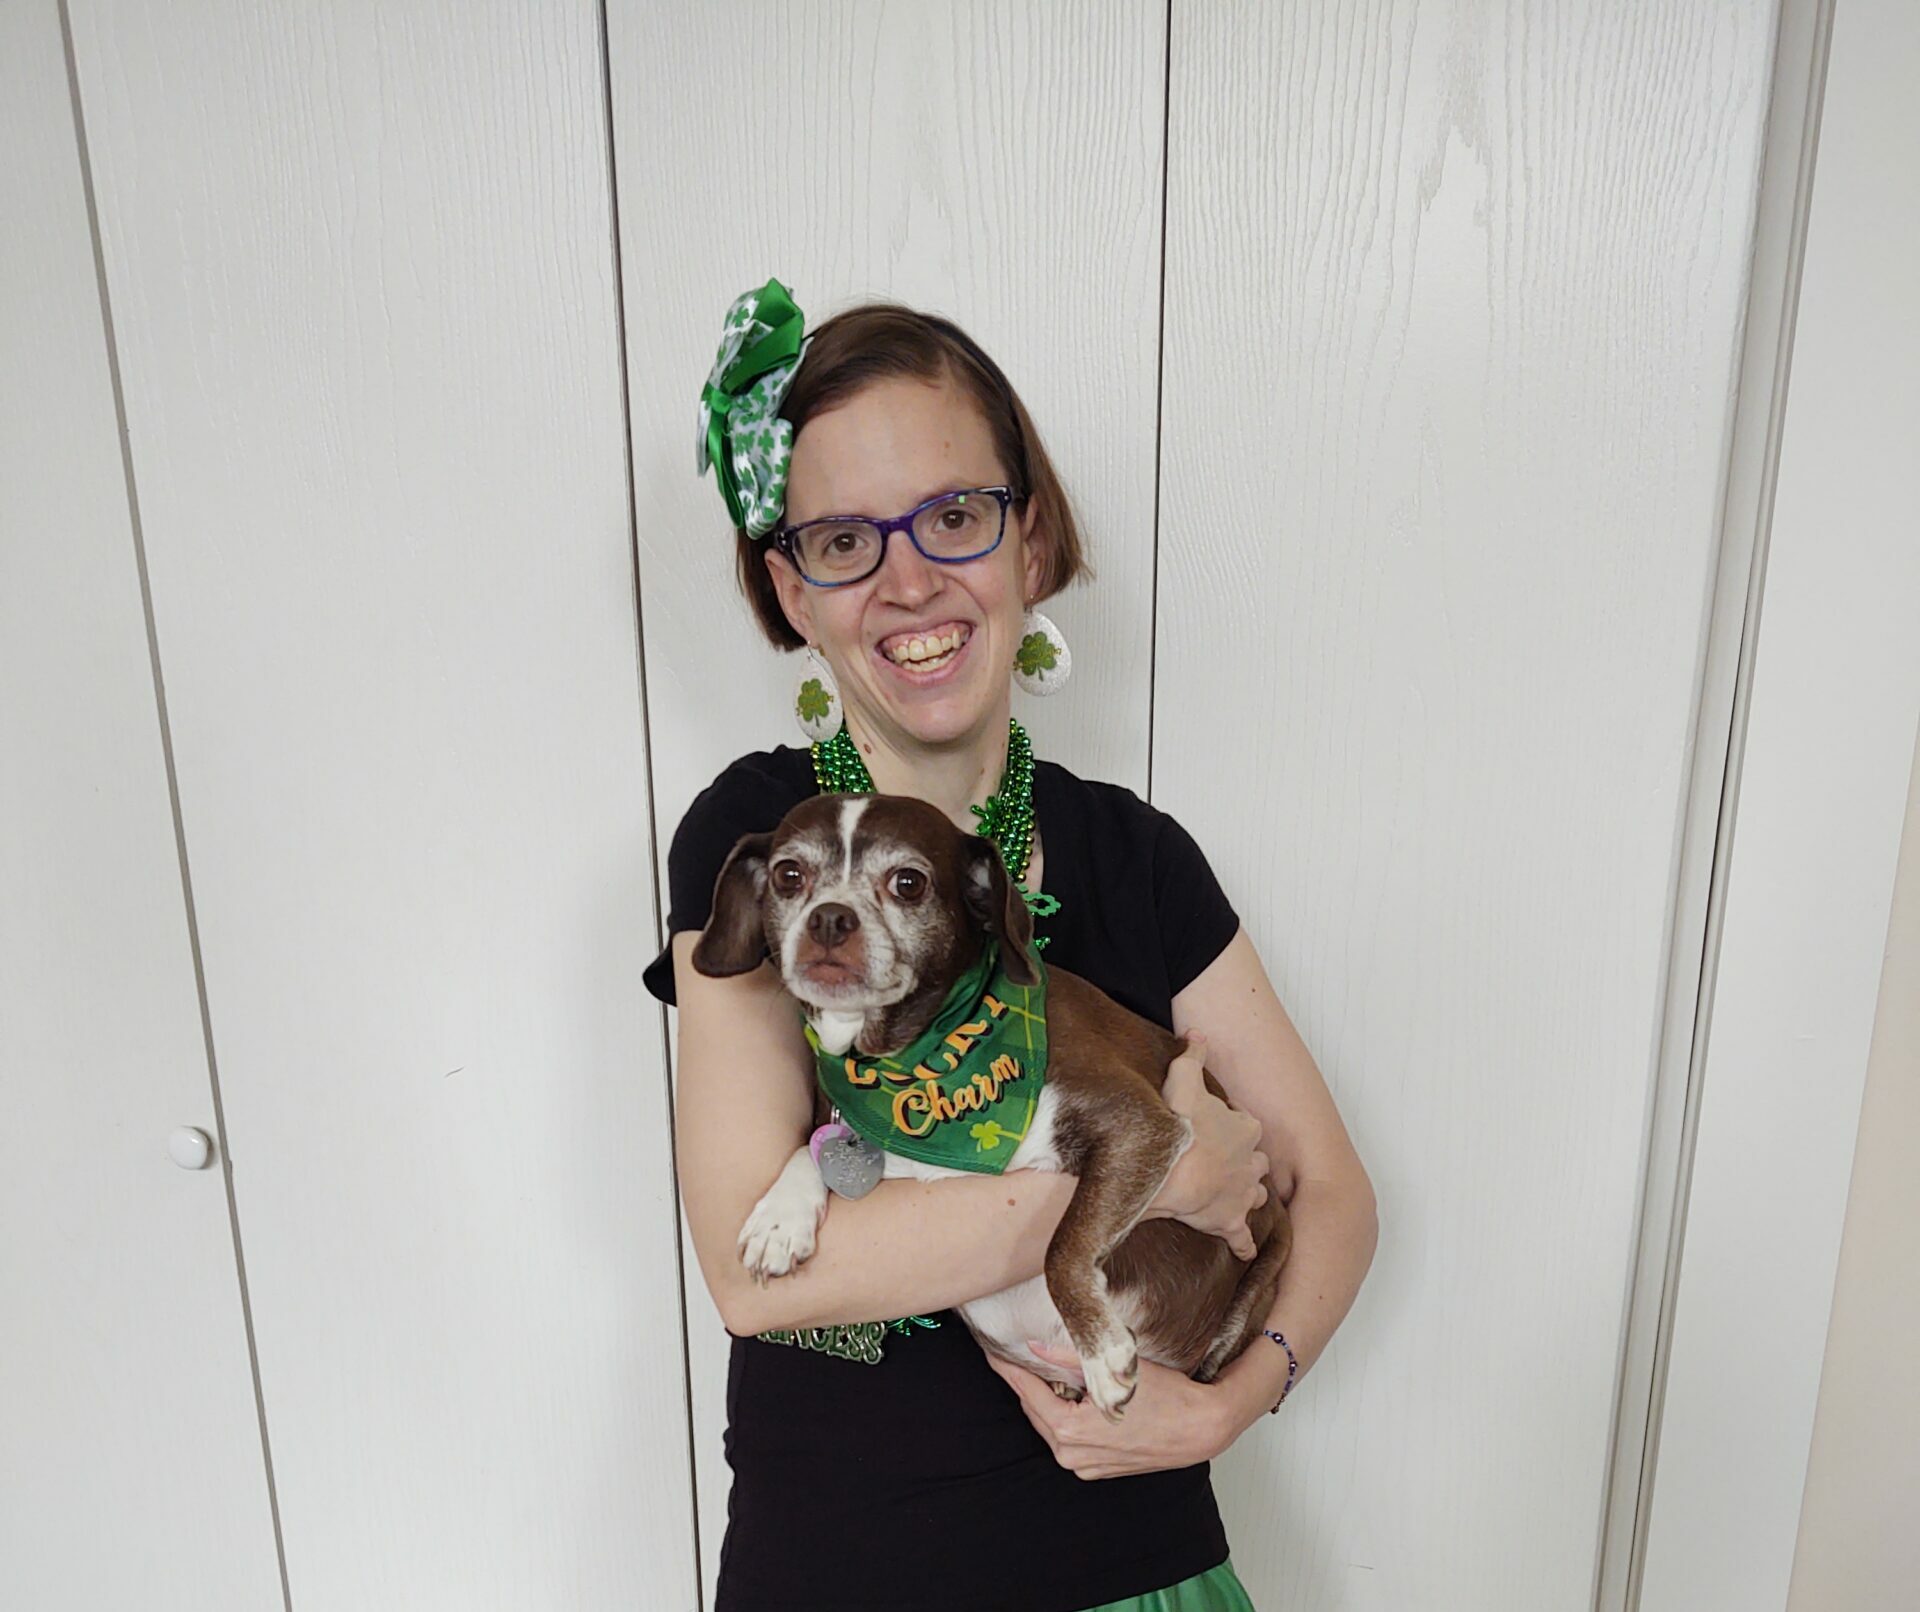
column 885, row 1467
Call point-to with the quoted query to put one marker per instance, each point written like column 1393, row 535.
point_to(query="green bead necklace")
column 1006, row 818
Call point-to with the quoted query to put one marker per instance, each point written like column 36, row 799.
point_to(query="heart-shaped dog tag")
column 825, row 1133
column 850, row 1165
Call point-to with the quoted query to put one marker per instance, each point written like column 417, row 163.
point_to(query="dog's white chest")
column 1007, row 1319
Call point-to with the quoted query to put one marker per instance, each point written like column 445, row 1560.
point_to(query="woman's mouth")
column 925, row 650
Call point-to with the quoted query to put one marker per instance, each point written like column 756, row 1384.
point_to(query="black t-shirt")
column 917, row 1484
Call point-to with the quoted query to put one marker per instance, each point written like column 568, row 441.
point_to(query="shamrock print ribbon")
column 741, row 433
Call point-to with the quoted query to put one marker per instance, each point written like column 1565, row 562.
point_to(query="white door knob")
column 191, row 1147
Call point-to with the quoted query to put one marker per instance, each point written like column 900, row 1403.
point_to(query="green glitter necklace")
column 1006, row 818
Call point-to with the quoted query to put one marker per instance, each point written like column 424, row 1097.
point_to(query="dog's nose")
column 830, row 923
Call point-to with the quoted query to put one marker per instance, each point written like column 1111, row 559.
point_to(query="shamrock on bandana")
column 741, row 433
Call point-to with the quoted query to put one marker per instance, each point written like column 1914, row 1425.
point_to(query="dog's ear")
column 734, row 940
column 998, row 907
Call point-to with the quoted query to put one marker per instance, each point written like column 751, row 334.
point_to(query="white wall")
column 1857, row 1547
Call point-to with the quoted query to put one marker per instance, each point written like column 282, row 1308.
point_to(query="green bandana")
column 963, row 1094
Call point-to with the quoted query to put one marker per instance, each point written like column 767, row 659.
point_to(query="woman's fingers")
column 1035, row 1398
column 1220, row 1179
column 1185, row 1083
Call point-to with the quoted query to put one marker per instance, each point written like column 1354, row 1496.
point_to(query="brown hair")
column 881, row 339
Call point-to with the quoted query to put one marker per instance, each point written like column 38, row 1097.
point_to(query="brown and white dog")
column 871, row 906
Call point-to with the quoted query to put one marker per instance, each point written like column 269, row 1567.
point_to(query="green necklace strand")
column 1006, row 818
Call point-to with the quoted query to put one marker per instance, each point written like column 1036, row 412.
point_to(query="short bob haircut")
column 881, row 339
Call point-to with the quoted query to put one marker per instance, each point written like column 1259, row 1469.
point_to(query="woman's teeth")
column 925, row 653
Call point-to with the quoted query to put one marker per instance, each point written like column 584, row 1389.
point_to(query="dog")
column 872, row 907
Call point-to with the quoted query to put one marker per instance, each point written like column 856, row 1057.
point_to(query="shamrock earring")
column 1042, row 662
column 816, row 702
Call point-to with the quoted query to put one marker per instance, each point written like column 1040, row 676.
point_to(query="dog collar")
column 964, row 1093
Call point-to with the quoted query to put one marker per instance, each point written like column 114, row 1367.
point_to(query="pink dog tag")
column 821, row 1135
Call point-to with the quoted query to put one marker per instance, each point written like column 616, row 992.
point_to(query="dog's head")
column 870, row 906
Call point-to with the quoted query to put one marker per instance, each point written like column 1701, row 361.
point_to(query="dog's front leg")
column 779, row 1233
column 1122, row 1166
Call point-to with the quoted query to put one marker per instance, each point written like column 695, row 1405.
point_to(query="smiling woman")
column 896, row 514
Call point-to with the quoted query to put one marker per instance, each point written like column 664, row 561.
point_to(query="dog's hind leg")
column 1118, row 1179
column 1252, row 1299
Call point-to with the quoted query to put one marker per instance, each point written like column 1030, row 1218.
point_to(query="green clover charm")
column 1035, row 654
column 814, row 703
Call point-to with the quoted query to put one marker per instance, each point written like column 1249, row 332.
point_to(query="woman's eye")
column 788, row 877
column 908, row 884
column 843, row 542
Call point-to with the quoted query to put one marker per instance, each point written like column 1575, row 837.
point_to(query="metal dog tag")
column 850, row 1165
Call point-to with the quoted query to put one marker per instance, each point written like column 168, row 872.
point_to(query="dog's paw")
column 1072, row 1393
column 1113, row 1372
column 779, row 1234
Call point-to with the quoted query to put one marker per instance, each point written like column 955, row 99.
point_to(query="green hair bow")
column 741, row 433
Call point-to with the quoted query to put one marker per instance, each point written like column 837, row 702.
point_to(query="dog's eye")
column 908, row 884
column 789, row 877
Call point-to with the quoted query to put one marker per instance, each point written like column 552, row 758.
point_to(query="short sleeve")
column 749, row 797
column 1196, row 919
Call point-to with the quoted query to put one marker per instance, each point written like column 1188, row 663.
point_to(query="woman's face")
column 895, row 444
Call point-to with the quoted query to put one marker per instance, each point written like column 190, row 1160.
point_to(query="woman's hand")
column 1171, row 1421
column 1221, row 1178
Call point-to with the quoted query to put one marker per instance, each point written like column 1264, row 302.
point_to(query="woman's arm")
column 744, row 1103
column 1258, row 1057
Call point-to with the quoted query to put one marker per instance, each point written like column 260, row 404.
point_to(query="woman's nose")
column 906, row 576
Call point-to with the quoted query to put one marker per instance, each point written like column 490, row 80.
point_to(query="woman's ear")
column 999, row 908
column 791, row 590
column 1033, row 553
column 734, row 940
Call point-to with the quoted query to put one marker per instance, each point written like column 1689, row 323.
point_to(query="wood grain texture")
column 128, row 1412
column 995, row 163
column 1453, row 306
column 362, row 263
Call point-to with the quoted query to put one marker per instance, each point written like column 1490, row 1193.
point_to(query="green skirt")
column 1217, row 1590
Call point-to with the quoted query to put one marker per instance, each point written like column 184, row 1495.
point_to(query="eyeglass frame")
column 783, row 539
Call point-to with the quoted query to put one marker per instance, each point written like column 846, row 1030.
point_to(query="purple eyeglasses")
column 949, row 529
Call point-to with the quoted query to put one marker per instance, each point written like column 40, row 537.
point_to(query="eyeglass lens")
column 957, row 527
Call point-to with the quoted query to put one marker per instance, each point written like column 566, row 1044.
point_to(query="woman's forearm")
column 1335, row 1230
column 908, row 1248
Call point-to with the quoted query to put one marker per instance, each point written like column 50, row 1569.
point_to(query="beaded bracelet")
column 1293, row 1366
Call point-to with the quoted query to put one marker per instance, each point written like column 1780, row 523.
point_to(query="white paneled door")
column 361, row 263
column 1454, row 299
column 132, row 1472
